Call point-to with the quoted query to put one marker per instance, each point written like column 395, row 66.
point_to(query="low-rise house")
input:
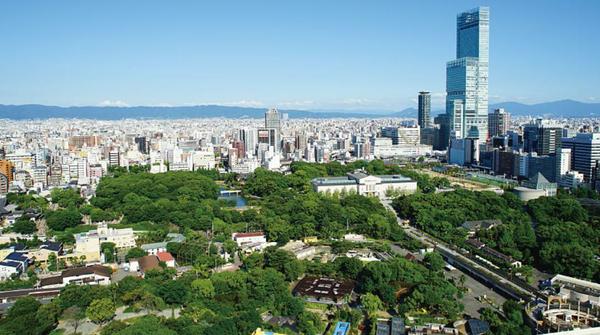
column 144, row 264
column 18, row 257
column 167, row 258
column 42, row 253
column 472, row 227
column 154, row 248
column 10, row 269
column 89, row 275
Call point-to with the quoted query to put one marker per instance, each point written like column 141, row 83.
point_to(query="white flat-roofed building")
column 364, row 184
column 248, row 238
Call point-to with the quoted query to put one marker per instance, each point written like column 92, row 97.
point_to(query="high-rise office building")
column 541, row 138
column 498, row 122
column 272, row 119
column 442, row 132
column 467, row 76
column 424, row 116
column 142, row 144
column 250, row 138
column 273, row 126
column 585, row 152
column 402, row 135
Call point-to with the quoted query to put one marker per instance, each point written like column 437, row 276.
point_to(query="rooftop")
column 165, row 256
column 353, row 178
column 323, row 287
column 148, row 263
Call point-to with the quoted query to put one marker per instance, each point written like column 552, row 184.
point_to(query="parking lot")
column 477, row 296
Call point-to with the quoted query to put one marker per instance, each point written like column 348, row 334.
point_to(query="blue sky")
column 368, row 55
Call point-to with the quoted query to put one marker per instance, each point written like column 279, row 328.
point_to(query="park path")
column 88, row 327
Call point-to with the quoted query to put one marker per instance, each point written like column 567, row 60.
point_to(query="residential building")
column 154, row 248
column 89, row 275
column 7, row 169
column 88, row 244
column 144, row 264
column 10, row 269
column 167, row 258
column 114, row 158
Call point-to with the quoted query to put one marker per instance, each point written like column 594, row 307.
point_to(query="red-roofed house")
column 167, row 258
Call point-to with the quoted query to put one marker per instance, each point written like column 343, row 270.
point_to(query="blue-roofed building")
column 18, row 257
column 53, row 246
column 341, row 328
column 383, row 327
column 477, row 327
column 398, row 327
column 395, row 326
column 361, row 183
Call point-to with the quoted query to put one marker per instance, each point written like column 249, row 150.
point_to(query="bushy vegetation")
column 563, row 241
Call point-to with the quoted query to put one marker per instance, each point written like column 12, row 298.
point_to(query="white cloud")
column 243, row 103
column 295, row 104
column 357, row 102
column 113, row 103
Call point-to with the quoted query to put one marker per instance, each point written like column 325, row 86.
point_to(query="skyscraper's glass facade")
column 467, row 76
column 424, row 116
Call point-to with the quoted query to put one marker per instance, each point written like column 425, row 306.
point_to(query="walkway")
column 88, row 327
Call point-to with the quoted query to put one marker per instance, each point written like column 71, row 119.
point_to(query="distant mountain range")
column 562, row 108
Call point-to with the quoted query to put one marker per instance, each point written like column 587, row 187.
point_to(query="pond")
column 240, row 201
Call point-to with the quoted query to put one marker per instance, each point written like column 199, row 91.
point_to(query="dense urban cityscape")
column 469, row 221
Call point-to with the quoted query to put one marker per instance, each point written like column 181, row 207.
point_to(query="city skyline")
column 351, row 57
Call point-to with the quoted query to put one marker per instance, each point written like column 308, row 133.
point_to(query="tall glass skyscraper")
column 467, row 76
column 424, row 116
